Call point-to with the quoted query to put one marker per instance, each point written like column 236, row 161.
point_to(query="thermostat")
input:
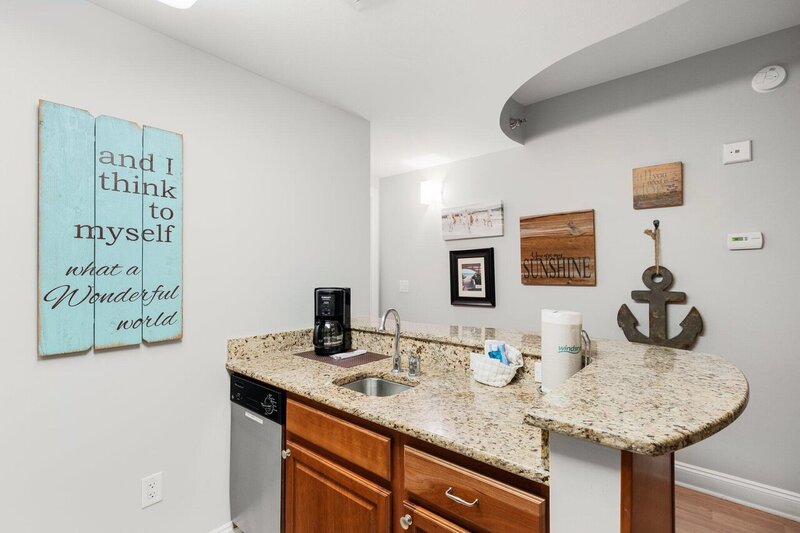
column 769, row 78
column 745, row 241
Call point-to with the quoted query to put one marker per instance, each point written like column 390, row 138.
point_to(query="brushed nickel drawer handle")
column 449, row 494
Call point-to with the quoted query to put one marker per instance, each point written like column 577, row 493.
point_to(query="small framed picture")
column 472, row 277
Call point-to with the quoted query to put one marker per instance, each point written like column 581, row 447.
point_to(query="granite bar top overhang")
column 634, row 397
column 644, row 399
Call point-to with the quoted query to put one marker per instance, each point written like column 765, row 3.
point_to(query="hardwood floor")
column 699, row 513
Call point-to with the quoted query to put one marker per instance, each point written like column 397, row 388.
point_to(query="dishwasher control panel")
column 259, row 398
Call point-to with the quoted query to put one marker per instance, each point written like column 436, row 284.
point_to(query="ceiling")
column 693, row 28
column 430, row 76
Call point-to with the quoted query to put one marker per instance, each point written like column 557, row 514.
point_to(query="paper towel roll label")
column 561, row 347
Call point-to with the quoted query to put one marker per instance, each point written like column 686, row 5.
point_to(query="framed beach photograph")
column 472, row 277
column 473, row 221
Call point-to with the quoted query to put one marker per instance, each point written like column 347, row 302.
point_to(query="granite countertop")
column 446, row 407
column 645, row 399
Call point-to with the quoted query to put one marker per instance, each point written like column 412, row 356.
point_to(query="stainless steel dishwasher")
column 257, row 417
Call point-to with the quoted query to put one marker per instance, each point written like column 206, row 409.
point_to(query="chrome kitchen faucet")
column 397, row 366
column 414, row 369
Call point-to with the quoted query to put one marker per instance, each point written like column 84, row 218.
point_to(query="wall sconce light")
column 430, row 192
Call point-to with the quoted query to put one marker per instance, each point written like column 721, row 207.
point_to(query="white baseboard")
column 743, row 491
column 224, row 528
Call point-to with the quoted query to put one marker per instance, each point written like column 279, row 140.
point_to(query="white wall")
column 261, row 163
column 579, row 155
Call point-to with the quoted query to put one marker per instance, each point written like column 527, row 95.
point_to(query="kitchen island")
column 632, row 402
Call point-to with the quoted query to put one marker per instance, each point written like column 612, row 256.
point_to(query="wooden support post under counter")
column 595, row 488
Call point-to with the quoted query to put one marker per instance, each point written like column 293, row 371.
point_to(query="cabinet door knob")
column 286, row 453
column 449, row 494
column 405, row 521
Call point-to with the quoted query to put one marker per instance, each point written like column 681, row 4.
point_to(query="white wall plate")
column 738, row 152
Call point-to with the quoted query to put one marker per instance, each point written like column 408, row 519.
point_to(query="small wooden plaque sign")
column 558, row 249
column 658, row 186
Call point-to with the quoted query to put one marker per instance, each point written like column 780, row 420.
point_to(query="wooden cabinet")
column 323, row 497
column 345, row 474
column 420, row 520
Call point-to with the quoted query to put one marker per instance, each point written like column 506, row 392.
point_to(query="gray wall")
column 579, row 155
column 261, row 162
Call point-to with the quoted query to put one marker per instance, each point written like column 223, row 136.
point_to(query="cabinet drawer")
column 472, row 499
column 361, row 447
column 420, row 520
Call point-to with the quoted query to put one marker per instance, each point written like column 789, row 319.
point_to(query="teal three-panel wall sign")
column 110, row 232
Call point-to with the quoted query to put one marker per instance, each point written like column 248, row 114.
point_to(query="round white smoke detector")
column 769, row 78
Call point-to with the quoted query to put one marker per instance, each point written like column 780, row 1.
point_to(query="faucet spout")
column 396, row 362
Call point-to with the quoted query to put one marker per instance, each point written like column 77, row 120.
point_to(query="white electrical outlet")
column 405, row 286
column 738, row 152
column 151, row 490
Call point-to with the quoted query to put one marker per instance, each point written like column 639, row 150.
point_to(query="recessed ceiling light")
column 179, row 4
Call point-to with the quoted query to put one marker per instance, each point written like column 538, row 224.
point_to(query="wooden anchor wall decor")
column 658, row 280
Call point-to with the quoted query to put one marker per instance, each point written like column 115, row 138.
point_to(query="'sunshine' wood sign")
column 110, row 232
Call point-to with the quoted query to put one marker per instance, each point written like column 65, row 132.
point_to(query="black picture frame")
column 481, row 263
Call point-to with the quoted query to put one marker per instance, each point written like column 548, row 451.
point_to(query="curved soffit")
column 690, row 29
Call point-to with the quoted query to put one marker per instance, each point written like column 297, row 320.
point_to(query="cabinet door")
column 420, row 520
column 324, row 497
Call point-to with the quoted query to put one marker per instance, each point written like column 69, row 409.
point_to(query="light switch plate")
column 753, row 240
column 737, row 152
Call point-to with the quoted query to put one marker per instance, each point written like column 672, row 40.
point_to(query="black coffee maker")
column 331, row 320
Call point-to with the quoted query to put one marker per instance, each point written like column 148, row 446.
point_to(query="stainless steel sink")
column 376, row 387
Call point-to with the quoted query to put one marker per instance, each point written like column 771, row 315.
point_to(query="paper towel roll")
column 561, row 346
